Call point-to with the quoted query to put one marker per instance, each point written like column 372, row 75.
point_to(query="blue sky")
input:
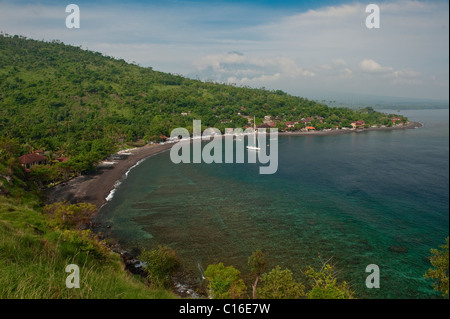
column 307, row 48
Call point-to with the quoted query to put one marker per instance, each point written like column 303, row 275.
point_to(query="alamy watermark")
column 373, row 280
column 73, row 19
column 73, row 280
column 213, row 153
column 373, row 19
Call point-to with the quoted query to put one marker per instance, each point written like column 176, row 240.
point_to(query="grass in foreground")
column 33, row 258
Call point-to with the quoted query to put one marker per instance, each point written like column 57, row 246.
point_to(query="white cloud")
column 407, row 73
column 243, row 69
column 339, row 62
column 371, row 66
column 333, row 12
column 347, row 73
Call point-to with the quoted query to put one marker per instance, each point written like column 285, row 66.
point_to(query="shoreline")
column 96, row 187
column 410, row 125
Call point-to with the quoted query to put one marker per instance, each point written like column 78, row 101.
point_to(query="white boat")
column 254, row 147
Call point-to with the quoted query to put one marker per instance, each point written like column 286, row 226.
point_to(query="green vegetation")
column 326, row 285
column 160, row 265
column 75, row 103
column 37, row 243
column 33, row 257
column 439, row 272
column 67, row 216
column 280, row 284
column 224, row 282
column 257, row 265
column 12, row 175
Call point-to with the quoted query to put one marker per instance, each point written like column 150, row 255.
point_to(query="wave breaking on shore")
column 124, row 177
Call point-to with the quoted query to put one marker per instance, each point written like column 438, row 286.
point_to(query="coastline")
column 410, row 125
column 95, row 188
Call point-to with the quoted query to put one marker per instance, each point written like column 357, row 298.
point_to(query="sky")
column 307, row 48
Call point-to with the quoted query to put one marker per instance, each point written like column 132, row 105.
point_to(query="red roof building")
column 358, row 124
column 290, row 124
column 29, row 160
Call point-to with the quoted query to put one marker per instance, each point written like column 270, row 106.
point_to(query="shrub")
column 68, row 216
column 439, row 272
column 257, row 265
column 224, row 282
column 86, row 241
column 161, row 263
column 279, row 284
column 326, row 286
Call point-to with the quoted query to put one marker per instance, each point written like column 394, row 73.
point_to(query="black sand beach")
column 94, row 188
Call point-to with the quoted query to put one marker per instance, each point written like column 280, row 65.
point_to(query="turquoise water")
column 355, row 198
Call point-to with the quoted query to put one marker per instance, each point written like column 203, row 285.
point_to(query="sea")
column 352, row 200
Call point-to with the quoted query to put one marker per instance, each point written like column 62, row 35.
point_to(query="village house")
column 30, row 160
column 291, row 124
column 358, row 124
column 396, row 119
column 306, row 120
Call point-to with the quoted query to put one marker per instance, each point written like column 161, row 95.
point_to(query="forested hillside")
column 80, row 104
column 62, row 97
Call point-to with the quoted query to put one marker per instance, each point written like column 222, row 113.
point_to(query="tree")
column 325, row 284
column 44, row 174
column 280, row 284
column 224, row 282
column 346, row 123
column 257, row 265
column 439, row 272
column 161, row 264
column 9, row 152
